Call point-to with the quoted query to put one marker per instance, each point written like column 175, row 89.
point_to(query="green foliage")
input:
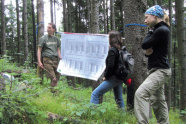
column 32, row 104
column 89, row 110
column 5, row 65
column 75, row 104
column 183, row 111
column 31, row 77
column 16, row 109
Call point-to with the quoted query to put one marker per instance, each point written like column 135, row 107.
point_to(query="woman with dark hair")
column 110, row 80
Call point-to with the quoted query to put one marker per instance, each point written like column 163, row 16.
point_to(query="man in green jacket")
column 49, row 52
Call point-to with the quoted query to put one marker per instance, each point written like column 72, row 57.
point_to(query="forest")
column 25, row 95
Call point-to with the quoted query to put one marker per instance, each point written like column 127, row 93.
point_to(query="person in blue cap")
column 151, row 91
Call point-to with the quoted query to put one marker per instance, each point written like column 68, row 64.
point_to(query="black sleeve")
column 152, row 39
column 110, row 64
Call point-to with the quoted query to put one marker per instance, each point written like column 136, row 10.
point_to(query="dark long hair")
column 115, row 39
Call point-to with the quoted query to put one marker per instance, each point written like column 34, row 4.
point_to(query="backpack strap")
column 115, row 50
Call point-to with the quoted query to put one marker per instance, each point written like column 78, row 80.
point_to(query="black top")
column 111, row 62
column 158, row 40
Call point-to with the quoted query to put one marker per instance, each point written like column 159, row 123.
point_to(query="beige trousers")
column 151, row 91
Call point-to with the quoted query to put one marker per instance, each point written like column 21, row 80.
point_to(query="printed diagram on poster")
column 83, row 55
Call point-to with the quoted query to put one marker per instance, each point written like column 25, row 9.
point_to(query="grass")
column 74, row 104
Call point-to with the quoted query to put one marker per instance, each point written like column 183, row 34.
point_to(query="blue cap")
column 156, row 11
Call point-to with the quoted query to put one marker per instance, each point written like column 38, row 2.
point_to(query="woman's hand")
column 148, row 51
column 104, row 78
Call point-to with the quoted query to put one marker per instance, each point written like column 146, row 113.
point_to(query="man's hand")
column 40, row 65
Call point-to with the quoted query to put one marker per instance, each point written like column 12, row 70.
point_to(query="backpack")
column 125, row 64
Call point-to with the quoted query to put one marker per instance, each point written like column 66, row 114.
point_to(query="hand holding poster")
column 83, row 55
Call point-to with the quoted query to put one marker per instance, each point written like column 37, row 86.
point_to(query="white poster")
column 83, row 55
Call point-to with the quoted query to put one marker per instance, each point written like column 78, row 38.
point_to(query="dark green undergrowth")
column 29, row 102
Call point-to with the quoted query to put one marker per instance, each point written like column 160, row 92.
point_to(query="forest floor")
column 27, row 101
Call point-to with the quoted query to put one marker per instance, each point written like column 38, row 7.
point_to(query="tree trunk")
column 89, row 14
column 107, row 15
column 40, row 18
column 3, row 42
column 51, row 11
column 122, row 21
column 65, row 16
column 95, row 16
column 68, row 28
column 40, row 24
column 174, row 76
column 183, row 89
column 76, row 17
column 112, row 13
column 105, row 18
column 25, row 29
column 170, row 56
column 134, row 35
column 34, row 33
column 182, row 52
column 55, row 12
column 69, row 4
column 95, row 29
column 159, row 2
column 12, row 45
column 155, row 2
column 79, row 18
column 18, row 32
